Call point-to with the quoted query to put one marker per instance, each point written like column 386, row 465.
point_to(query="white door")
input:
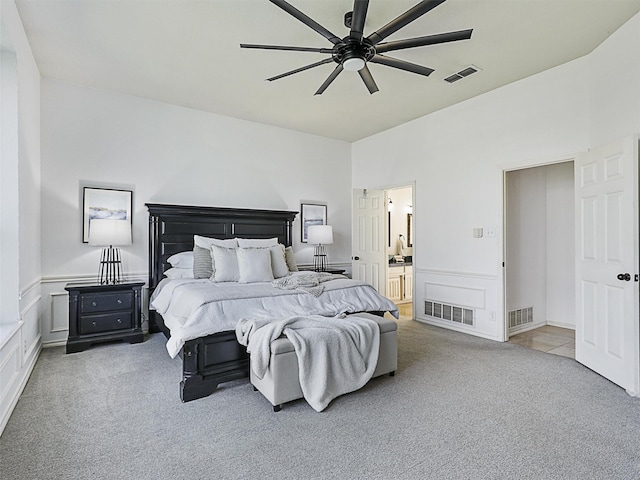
column 607, row 337
column 369, row 257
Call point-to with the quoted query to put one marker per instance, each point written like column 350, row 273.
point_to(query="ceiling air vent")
column 465, row 72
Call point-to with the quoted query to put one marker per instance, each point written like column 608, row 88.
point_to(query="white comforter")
column 335, row 355
column 194, row 308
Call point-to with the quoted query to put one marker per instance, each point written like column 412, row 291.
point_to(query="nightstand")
column 338, row 271
column 103, row 313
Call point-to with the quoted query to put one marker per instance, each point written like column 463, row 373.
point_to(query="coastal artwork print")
column 104, row 203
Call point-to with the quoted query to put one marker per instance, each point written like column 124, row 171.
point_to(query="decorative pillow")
column 290, row 259
column 254, row 265
column 278, row 261
column 179, row 273
column 225, row 264
column 257, row 242
column 181, row 260
column 202, row 263
column 206, row 242
column 202, row 260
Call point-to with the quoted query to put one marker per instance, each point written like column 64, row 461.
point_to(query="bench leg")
column 277, row 408
column 392, row 374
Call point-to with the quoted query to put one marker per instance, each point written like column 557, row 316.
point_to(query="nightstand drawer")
column 105, row 323
column 92, row 303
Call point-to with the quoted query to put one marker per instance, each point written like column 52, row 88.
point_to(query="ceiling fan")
column 354, row 51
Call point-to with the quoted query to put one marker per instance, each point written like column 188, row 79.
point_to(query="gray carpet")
column 459, row 408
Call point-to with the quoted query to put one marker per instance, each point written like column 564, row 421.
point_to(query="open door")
column 369, row 258
column 607, row 335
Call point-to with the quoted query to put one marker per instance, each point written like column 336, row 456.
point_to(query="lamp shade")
column 105, row 232
column 320, row 234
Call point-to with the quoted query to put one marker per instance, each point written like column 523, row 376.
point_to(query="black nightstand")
column 103, row 313
column 338, row 271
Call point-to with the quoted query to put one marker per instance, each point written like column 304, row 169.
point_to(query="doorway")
column 399, row 248
column 540, row 258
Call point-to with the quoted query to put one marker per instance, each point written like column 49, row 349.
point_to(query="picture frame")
column 311, row 214
column 104, row 203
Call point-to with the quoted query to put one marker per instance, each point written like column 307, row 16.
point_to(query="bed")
column 214, row 358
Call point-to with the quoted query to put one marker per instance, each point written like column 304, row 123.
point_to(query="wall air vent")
column 465, row 72
column 520, row 316
column 453, row 313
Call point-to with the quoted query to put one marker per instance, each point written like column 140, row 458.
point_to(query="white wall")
column 560, row 261
column 456, row 157
column 614, row 86
column 171, row 154
column 20, row 339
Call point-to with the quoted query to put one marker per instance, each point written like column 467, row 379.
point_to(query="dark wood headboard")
column 172, row 227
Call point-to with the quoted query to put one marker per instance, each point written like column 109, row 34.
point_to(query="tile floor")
column 406, row 310
column 555, row 340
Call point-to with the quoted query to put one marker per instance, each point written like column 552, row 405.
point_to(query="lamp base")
column 110, row 266
column 320, row 259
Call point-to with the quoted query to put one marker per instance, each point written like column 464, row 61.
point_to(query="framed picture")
column 311, row 214
column 104, row 203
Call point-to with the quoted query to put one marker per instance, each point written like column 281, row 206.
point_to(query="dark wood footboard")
column 218, row 358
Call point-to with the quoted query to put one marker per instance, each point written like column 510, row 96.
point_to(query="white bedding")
column 193, row 308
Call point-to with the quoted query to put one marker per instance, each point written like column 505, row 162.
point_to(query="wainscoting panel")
column 476, row 294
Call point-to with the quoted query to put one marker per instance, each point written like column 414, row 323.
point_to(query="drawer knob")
column 94, row 304
column 119, row 301
column 93, row 323
column 119, row 321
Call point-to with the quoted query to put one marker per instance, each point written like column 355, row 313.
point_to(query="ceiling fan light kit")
column 355, row 51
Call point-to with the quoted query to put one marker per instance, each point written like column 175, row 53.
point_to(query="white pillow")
column 254, row 265
column 206, row 242
column 179, row 273
column 225, row 264
column 257, row 242
column 181, row 260
column 278, row 261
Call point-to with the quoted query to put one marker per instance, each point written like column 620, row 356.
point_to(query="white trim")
column 31, row 286
column 28, row 370
column 540, row 162
column 456, row 273
column 52, row 295
column 456, row 327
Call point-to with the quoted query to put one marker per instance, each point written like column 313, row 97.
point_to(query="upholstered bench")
column 280, row 384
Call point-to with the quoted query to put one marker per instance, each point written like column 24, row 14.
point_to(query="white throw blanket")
column 335, row 355
column 307, row 282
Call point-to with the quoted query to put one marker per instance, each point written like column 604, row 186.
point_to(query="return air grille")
column 520, row 316
column 465, row 72
column 452, row 313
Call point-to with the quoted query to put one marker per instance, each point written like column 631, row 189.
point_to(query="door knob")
column 624, row 276
column 356, row 258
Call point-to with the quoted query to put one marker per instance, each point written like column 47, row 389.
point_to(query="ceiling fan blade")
column 423, row 41
column 284, row 47
column 368, row 80
column 357, row 20
column 330, row 79
column 402, row 65
column 309, row 22
column 407, row 17
column 301, row 69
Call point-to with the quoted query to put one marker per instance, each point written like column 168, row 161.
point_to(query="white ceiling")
column 186, row 52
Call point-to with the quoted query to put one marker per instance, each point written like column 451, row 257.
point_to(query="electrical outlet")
column 490, row 232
